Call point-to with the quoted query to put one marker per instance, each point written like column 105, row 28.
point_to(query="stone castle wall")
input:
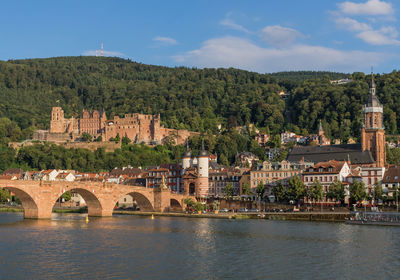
column 93, row 146
column 139, row 128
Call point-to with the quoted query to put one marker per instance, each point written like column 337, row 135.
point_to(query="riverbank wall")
column 309, row 216
column 297, row 216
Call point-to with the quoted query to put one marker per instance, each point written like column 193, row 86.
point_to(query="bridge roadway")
column 39, row 197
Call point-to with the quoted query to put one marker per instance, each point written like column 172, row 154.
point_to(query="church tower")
column 322, row 139
column 372, row 130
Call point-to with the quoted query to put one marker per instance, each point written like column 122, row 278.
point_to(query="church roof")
column 331, row 152
column 373, row 101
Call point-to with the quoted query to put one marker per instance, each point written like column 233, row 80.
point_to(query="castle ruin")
column 139, row 128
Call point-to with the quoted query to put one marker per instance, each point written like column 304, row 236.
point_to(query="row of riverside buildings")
column 203, row 177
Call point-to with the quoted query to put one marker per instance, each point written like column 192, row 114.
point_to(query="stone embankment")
column 303, row 216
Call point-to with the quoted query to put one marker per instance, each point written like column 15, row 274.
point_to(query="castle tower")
column 372, row 130
column 57, row 120
column 202, row 168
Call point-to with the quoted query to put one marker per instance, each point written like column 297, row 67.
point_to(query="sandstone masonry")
column 139, row 128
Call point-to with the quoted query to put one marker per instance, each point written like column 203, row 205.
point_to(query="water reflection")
column 125, row 247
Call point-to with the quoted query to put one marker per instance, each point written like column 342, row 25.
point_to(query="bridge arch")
column 94, row 205
column 144, row 203
column 175, row 205
column 31, row 209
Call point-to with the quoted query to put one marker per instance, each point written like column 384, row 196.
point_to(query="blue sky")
column 257, row 35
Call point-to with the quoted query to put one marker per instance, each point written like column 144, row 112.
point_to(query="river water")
column 131, row 247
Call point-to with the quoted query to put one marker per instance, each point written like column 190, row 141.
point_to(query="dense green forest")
column 196, row 99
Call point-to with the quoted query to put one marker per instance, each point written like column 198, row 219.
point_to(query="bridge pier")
column 162, row 199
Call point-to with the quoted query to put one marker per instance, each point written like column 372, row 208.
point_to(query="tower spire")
column 372, row 89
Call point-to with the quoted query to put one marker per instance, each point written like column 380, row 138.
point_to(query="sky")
column 257, row 35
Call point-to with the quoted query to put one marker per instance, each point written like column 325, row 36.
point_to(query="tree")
column 228, row 190
column 357, row 192
column 4, row 195
column 199, row 206
column 7, row 156
column 125, row 140
column 223, row 160
column 377, row 193
column 117, row 138
column 189, row 202
column 66, row 196
column 336, row 191
column 317, row 192
column 216, row 205
column 246, row 189
column 260, row 190
column 296, row 188
column 275, row 141
column 86, row 137
column 279, row 192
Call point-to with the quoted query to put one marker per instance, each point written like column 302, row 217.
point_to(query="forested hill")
column 307, row 75
column 197, row 99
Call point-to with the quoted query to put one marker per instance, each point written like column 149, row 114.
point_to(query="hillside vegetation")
column 186, row 98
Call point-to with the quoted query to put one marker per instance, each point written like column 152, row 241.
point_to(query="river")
column 132, row 247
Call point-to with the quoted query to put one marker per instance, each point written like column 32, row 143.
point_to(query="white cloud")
column 371, row 7
column 105, row 53
column 384, row 36
column 165, row 40
column 278, row 36
column 390, row 30
column 240, row 53
column 351, row 24
column 377, row 38
column 231, row 24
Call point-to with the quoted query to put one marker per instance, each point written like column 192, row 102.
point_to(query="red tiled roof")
column 325, row 165
column 392, row 175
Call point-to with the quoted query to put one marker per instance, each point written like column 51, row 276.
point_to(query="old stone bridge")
column 39, row 197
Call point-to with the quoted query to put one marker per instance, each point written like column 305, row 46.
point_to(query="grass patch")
column 241, row 216
column 79, row 210
column 7, row 209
